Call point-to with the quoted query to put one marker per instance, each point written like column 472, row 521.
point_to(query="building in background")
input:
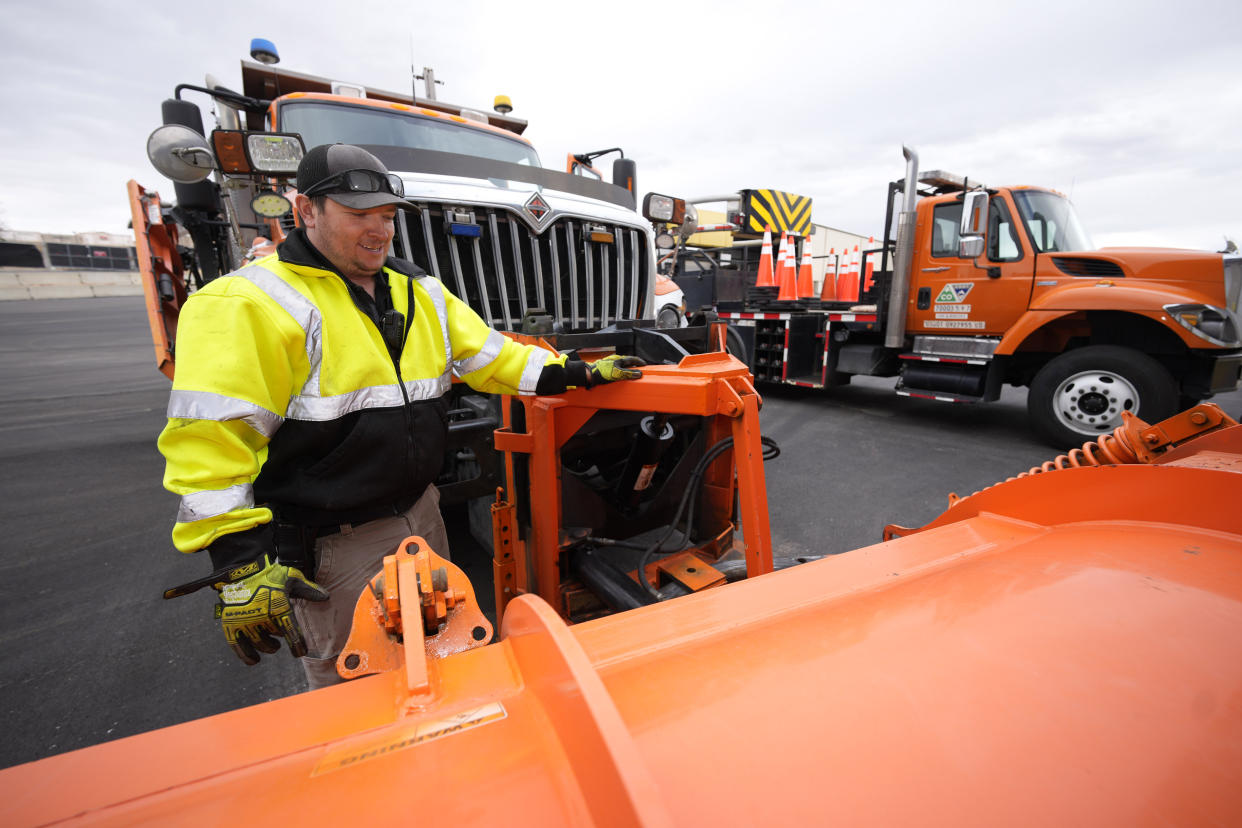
column 58, row 266
column 79, row 251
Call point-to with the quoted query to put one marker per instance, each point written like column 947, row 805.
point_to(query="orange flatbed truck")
column 1060, row 648
column 986, row 287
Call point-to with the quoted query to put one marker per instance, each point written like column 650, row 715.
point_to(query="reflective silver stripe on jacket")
column 204, row 405
column 308, row 404
column 303, row 312
column 534, row 367
column 436, row 291
column 486, row 355
column 209, row 504
column 321, row 409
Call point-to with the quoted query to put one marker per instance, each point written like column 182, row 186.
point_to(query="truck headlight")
column 662, row 208
column 258, row 153
column 1217, row 325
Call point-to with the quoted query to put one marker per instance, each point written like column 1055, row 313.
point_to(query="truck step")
column 956, row 346
column 948, row 359
column 939, row 396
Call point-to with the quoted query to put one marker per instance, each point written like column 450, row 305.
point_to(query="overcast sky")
column 1134, row 109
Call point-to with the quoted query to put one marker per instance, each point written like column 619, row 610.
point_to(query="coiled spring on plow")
column 1110, row 449
column 1134, row 441
column 1125, row 445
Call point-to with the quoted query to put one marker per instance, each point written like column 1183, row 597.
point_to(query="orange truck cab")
column 1093, row 332
column 983, row 287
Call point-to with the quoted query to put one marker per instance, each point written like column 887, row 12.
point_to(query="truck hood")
column 513, row 195
column 470, row 180
column 1165, row 264
column 1185, row 274
column 1136, row 278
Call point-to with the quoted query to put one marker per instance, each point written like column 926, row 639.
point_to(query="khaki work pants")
column 347, row 561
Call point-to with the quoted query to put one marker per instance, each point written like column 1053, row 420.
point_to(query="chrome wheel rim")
column 1092, row 402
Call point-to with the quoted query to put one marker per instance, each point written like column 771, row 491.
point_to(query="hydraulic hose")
column 694, row 486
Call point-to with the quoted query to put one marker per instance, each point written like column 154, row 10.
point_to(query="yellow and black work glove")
column 612, row 368
column 255, row 610
column 561, row 373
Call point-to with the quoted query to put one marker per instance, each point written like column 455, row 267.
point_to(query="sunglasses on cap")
column 358, row 181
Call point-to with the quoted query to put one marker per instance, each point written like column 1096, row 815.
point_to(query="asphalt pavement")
column 91, row 650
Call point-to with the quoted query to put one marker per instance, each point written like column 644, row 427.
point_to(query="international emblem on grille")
column 537, row 207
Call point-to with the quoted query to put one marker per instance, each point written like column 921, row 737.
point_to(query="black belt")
column 391, row 510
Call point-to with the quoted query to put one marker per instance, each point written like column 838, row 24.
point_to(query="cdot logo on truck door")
column 954, row 291
column 951, row 311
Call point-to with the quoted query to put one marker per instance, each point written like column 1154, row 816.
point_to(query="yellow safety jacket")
column 286, row 398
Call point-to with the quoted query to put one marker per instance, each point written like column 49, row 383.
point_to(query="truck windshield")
column 325, row 123
column 1051, row 222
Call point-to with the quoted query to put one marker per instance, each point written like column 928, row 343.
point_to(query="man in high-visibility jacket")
column 308, row 420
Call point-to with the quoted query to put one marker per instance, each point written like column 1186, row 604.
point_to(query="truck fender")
column 1027, row 324
column 1146, row 298
column 1137, row 299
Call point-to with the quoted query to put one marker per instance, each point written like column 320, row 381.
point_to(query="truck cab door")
column 950, row 294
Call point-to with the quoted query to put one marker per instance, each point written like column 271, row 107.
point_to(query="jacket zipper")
column 396, row 364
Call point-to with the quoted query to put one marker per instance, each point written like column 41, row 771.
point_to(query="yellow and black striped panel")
column 779, row 210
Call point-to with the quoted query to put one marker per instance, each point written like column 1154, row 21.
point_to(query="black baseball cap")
column 323, row 169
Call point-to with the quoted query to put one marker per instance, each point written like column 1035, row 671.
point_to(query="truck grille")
column 509, row 269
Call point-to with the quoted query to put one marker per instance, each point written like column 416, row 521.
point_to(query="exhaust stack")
column 900, row 286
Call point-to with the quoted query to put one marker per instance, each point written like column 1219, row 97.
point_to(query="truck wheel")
column 668, row 317
column 1081, row 395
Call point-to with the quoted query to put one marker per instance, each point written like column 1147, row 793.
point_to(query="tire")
column 735, row 345
column 668, row 317
column 1080, row 395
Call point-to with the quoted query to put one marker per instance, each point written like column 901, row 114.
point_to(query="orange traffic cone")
column 806, row 282
column 767, row 277
column 849, row 292
column 786, row 275
column 782, row 251
column 829, row 291
column 869, row 282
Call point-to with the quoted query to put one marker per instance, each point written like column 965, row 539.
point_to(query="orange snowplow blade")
column 1066, row 652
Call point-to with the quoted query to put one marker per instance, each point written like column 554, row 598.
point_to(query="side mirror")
column 691, row 222
column 180, row 153
column 974, row 224
column 970, row 247
column 575, row 165
column 974, row 213
column 625, row 174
